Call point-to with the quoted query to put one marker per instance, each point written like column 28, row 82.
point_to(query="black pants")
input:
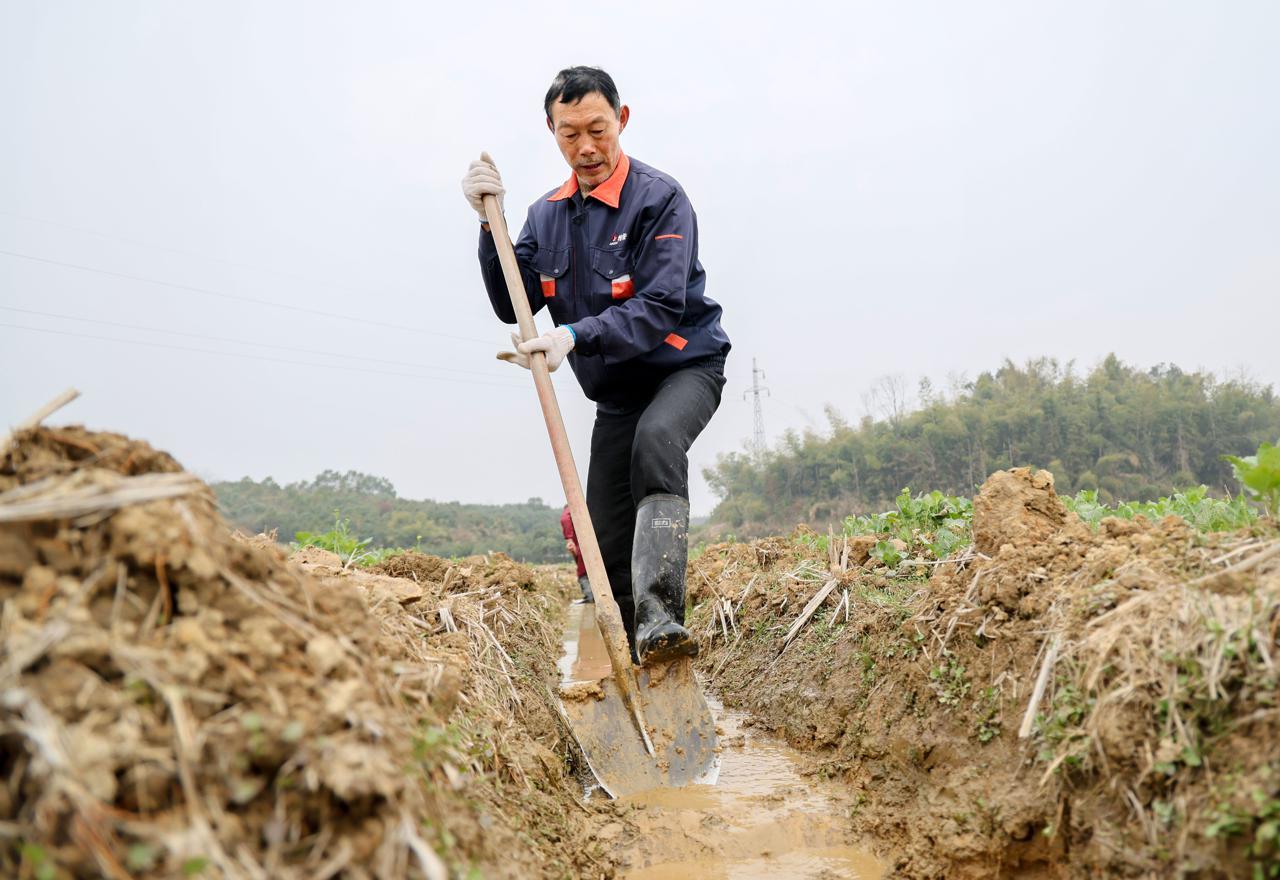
column 641, row 451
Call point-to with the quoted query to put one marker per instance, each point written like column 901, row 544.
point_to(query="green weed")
column 1061, row 728
column 820, row 637
column 434, row 743
column 903, row 647
column 37, row 863
column 987, row 713
column 950, row 682
column 1258, row 818
column 339, row 539
column 349, row 548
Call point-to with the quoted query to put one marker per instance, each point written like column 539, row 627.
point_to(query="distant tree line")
column 529, row 532
column 1129, row 433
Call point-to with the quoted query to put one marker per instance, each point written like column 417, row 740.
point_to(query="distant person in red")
column 571, row 544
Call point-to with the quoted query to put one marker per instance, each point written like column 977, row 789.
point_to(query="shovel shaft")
column 607, row 615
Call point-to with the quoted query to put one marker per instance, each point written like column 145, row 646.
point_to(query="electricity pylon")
column 758, row 439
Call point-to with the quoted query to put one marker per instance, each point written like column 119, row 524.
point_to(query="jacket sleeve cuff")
column 586, row 336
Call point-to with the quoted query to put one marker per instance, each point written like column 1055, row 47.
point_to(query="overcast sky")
column 911, row 188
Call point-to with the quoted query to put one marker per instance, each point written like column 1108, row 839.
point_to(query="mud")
column 583, row 659
column 1152, row 750
column 762, row 819
column 678, row 722
column 582, row 690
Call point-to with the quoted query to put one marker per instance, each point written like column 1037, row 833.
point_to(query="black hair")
column 574, row 83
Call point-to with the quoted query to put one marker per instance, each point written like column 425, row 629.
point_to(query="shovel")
column 641, row 728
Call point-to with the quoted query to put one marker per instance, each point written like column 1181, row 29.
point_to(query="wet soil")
column 762, row 819
column 1057, row 701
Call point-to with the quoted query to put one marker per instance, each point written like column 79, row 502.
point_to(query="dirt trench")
column 1054, row 702
column 762, row 819
column 179, row 701
column 1059, row 702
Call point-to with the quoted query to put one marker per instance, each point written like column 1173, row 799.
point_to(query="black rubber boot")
column 658, row 560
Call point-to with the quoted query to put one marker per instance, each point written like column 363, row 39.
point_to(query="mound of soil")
column 1056, row 699
column 176, row 701
column 465, row 575
column 1017, row 507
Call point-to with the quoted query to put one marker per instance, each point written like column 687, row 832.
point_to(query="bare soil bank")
column 1153, row 748
column 176, row 701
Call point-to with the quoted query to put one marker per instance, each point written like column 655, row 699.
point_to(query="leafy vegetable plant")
column 1260, row 475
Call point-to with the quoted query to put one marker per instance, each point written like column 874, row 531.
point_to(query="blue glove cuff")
column 572, row 332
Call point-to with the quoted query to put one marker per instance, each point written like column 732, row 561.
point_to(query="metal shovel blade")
column 680, row 724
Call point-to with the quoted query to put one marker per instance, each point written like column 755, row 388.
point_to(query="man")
column 571, row 544
column 613, row 255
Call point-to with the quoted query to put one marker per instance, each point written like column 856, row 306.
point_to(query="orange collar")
column 608, row 192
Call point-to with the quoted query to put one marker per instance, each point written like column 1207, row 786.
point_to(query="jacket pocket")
column 551, row 265
column 611, row 273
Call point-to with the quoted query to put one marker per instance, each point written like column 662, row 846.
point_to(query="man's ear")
column 551, row 125
column 623, row 115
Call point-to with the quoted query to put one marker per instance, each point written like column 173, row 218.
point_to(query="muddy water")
column 761, row 820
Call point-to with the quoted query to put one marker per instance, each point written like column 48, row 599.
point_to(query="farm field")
column 492, row 451
column 1019, row 685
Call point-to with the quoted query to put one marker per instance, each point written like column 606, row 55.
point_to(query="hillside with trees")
column 1128, row 433
column 529, row 532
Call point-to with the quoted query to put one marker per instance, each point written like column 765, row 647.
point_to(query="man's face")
column 587, row 133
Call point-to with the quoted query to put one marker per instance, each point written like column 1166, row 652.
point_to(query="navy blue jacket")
column 620, row 267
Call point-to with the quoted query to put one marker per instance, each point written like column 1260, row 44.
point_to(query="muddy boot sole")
column 671, row 642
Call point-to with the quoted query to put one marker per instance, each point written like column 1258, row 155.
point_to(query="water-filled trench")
column 762, row 819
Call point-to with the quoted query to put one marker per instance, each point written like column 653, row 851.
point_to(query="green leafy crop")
column 1195, row 505
column 931, row 524
column 1260, row 475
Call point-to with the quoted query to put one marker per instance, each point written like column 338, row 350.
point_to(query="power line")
column 180, row 252
column 355, row 319
column 256, row 357
column 233, row 341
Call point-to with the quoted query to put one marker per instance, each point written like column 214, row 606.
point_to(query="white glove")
column 556, row 343
column 482, row 179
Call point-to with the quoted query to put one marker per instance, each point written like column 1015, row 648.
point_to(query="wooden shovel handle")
column 608, row 617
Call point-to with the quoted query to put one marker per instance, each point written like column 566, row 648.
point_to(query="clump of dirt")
column 49, row 452
column 581, row 691
column 415, row 566
column 465, row 575
column 1088, row 702
column 1017, row 507
column 175, row 701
